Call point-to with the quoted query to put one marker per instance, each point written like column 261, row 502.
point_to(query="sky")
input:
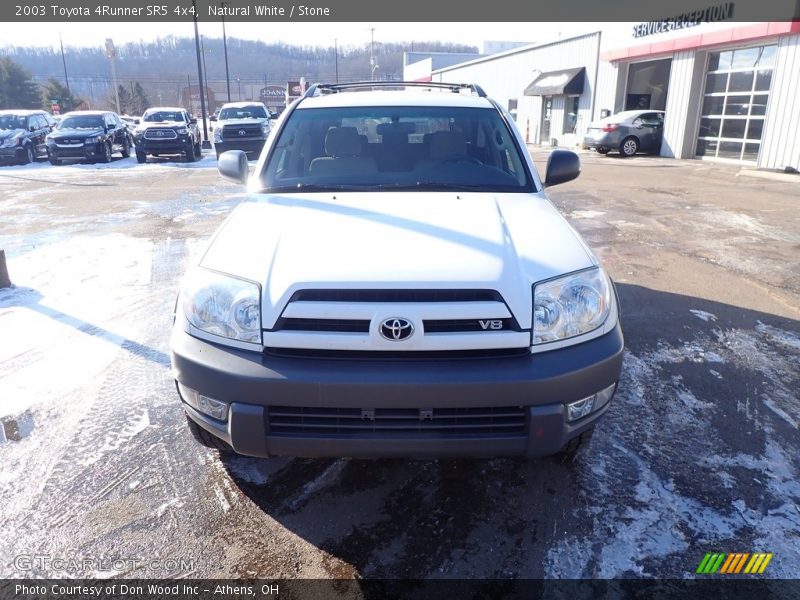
column 304, row 34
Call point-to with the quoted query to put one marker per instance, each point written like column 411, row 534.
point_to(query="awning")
column 555, row 83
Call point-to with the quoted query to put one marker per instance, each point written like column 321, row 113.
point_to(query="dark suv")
column 22, row 135
column 165, row 130
column 90, row 135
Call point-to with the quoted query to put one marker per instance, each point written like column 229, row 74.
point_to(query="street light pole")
column 111, row 53
column 206, row 143
column 64, row 62
column 239, row 85
column 336, row 57
column 205, row 72
column 225, row 46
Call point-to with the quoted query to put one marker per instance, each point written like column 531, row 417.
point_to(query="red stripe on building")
column 712, row 38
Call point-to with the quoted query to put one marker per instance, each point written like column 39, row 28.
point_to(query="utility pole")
column 64, row 62
column 225, row 46
column 206, row 143
column 189, row 93
column 373, row 62
column 111, row 53
column 205, row 72
column 336, row 57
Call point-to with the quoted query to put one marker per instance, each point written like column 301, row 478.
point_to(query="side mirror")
column 33, row 128
column 562, row 166
column 233, row 165
column 193, row 121
column 137, row 121
column 212, row 118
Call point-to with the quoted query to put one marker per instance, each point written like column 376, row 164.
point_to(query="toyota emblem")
column 242, row 132
column 396, row 329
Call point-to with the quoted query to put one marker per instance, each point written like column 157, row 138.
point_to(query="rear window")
column 396, row 148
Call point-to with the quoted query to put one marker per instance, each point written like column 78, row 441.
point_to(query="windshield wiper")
column 317, row 187
column 431, row 186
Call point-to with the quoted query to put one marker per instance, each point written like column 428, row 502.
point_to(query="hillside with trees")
column 162, row 68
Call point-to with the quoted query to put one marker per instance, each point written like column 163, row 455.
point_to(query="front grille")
column 366, row 295
column 404, row 355
column 341, row 325
column 233, row 132
column 460, row 325
column 395, row 422
column 160, row 134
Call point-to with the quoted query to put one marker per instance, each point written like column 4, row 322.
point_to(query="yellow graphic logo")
column 735, row 563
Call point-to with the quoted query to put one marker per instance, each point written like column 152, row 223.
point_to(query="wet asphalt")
column 698, row 453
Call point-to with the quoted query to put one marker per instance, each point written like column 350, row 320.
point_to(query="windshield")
column 245, row 112
column 396, row 148
column 162, row 115
column 81, row 122
column 12, row 122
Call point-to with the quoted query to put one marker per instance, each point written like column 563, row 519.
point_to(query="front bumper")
column 82, row 152
column 250, row 146
column 251, row 382
column 12, row 154
column 173, row 146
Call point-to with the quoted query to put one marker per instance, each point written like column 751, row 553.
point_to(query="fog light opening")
column 216, row 409
column 580, row 408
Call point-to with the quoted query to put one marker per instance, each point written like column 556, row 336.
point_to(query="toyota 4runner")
column 397, row 283
column 165, row 130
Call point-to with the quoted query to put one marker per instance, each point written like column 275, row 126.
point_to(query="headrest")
column 447, row 143
column 342, row 141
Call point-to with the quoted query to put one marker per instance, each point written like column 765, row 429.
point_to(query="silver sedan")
column 628, row 132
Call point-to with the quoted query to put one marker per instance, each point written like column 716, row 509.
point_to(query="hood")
column 241, row 122
column 155, row 124
column 504, row 242
column 77, row 133
column 10, row 133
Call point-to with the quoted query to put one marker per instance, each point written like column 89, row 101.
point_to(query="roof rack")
column 334, row 88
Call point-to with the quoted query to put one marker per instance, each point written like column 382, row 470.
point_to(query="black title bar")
column 381, row 10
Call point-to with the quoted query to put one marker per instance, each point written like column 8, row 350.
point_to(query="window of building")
column 735, row 102
column 571, row 114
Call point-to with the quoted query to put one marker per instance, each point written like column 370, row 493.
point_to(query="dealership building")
column 730, row 91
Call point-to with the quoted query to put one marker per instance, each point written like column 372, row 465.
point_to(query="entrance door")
column 547, row 113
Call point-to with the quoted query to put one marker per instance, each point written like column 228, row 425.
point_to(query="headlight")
column 570, row 305
column 94, row 140
column 264, row 129
column 222, row 305
column 218, row 135
column 182, row 131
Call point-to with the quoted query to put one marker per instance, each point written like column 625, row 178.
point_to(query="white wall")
column 681, row 109
column 505, row 77
column 781, row 139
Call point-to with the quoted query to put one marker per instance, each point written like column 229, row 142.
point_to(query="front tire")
column 55, row 162
column 126, row 148
column 189, row 154
column 141, row 157
column 572, row 447
column 27, row 155
column 629, row 147
column 603, row 150
column 105, row 157
column 206, row 439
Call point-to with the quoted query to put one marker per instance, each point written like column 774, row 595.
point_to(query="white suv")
column 396, row 284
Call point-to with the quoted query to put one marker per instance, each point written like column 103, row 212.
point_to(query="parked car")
column 89, row 135
column 22, row 135
column 241, row 126
column 166, row 130
column 628, row 132
column 131, row 121
column 384, row 293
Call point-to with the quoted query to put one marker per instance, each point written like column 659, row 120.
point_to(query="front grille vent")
column 394, row 422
